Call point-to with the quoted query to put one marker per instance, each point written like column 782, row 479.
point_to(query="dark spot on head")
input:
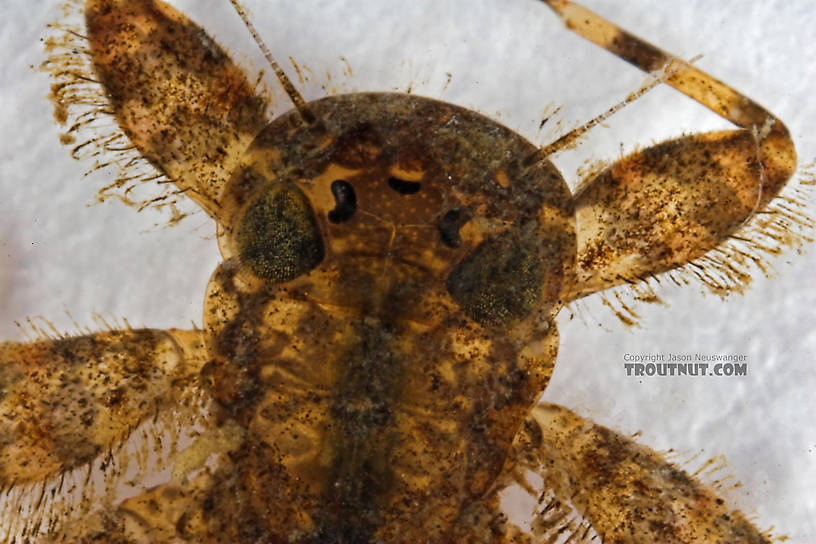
column 278, row 237
column 501, row 280
column 345, row 201
column 450, row 225
column 357, row 147
column 404, row 187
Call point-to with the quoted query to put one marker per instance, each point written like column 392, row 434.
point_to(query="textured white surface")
column 509, row 59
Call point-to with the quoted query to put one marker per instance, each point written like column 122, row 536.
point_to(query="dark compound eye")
column 501, row 280
column 278, row 237
column 450, row 225
column 404, row 187
column 345, row 201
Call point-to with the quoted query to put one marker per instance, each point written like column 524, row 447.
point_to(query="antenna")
column 305, row 113
column 569, row 139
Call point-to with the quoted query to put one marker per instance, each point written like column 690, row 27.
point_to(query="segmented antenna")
column 305, row 113
column 673, row 66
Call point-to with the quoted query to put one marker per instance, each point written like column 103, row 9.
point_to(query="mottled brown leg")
column 692, row 82
column 624, row 491
column 65, row 401
column 661, row 208
column 175, row 93
column 166, row 513
column 667, row 205
column 68, row 404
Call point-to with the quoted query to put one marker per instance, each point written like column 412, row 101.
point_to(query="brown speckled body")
column 389, row 408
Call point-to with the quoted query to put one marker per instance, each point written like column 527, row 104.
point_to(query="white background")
column 509, row 59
